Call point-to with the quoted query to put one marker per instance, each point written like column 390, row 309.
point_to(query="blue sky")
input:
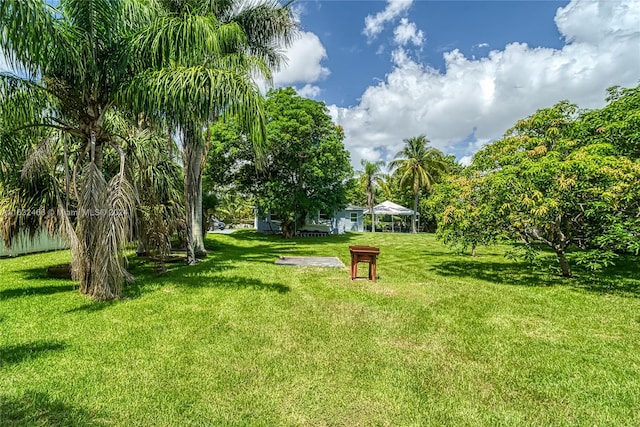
column 461, row 72
column 473, row 27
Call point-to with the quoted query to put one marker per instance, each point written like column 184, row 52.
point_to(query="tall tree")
column 547, row 182
column 372, row 177
column 618, row 123
column 242, row 38
column 306, row 166
column 80, row 61
column 72, row 65
column 418, row 167
column 464, row 217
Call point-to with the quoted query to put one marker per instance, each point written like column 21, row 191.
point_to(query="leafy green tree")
column 306, row 166
column 235, row 208
column 418, row 166
column 465, row 218
column 307, row 163
column 371, row 177
column 548, row 186
column 618, row 123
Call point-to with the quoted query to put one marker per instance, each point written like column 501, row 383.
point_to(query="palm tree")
column 72, row 67
column 418, row 166
column 242, row 38
column 234, row 208
column 157, row 175
column 371, row 177
column 78, row 63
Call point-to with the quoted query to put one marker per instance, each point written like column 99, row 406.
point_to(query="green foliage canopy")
column 554, row 179
column 306, row 167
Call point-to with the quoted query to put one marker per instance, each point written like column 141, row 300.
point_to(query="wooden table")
column 367, row 254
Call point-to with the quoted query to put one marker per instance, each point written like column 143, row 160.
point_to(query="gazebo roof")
column 389, row 208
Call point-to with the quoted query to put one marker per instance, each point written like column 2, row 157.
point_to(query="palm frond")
column 269, row 27
column 22, row 103
column 28, row 27
column 96, row 18
column 92, row 188
column 186, row 39
column 41, row 160
column 113, row 231
column 79, row 265
column 209, row 93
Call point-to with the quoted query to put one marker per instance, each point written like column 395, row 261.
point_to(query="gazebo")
column 392, row 209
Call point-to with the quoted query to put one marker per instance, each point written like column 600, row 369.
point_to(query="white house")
column 348, row 219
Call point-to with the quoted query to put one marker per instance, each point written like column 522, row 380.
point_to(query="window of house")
column 354, row 216
column 273, row 217
column 324, row 217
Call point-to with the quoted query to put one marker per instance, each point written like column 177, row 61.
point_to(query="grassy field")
column 440, row 339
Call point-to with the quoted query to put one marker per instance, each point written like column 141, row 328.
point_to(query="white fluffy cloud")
column 304, row 62
column 475, row 100
column 407, row 32
column 309, row 91
column 374, row 24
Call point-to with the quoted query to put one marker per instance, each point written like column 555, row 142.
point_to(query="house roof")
column 353, row 208
column 390, row 208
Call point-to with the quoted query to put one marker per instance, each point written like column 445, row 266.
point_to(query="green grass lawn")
column 440, row 339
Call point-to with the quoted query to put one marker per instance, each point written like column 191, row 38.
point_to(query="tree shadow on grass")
column 139, row 288
column 620, row 280
column 252, row 235
column 266, row 253
column 36, row 290
column 16, row 353
column 39, row 283
column 34, row 408
column 91, row 307
column 507, row 273
column 267, row 249
column 208, row 272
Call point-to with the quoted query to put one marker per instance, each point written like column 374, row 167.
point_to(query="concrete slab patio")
column 310, row 261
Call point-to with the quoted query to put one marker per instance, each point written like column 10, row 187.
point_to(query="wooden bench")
column 366, row 254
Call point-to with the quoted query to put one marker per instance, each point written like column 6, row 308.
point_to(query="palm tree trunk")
column 200, row 216
column 67, row 180
column 142, row 249
column 193, row 154
column 373, row 216
column 100, row 272
column 414, row 228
